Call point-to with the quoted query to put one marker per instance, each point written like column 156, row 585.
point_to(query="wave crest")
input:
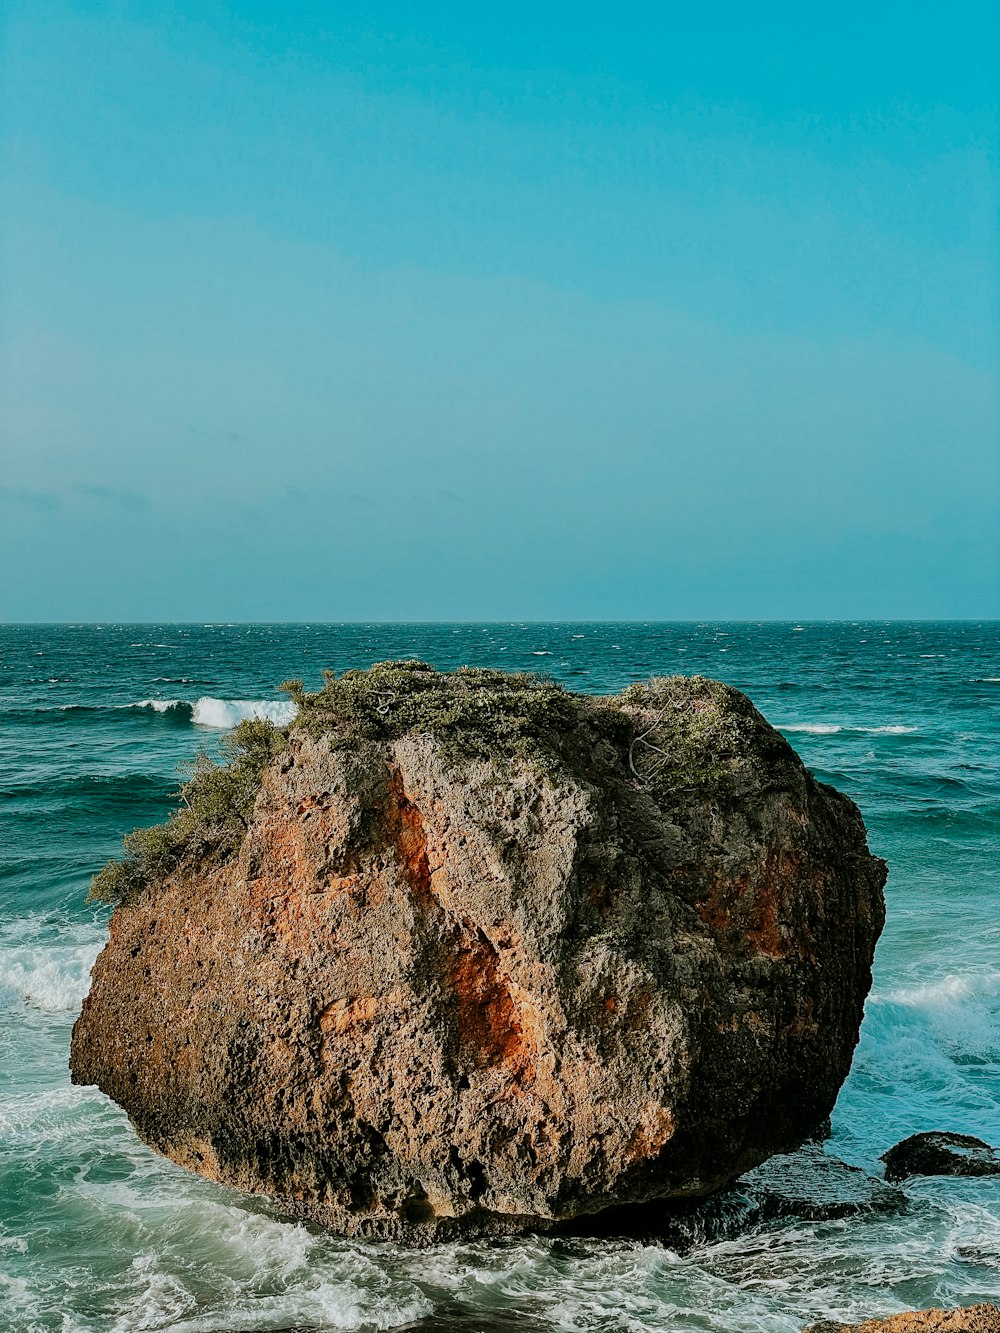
column 225, row 713
column 814, row 728
column 222, row 714
column 834, row 728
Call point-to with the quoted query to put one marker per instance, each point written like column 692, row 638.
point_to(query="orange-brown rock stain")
column 410, row 836
column 752, row 908
column 653, row 1132
column 489, row 1025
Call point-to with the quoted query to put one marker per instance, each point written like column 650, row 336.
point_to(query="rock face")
column 494, row 956
column 938, row 1154
column 966, row 1319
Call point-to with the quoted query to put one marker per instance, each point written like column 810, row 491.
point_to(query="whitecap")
column 45, row 1117
column 45, row 969
column 953, row 988
column 833, row 728
column 225, row 713
column 813, row 728
column 160, row 705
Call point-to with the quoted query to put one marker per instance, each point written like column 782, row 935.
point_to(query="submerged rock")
column 940, row 1154
column 965, row 1319
column 492, row 956
column 816, row 1187
column 809, row 1185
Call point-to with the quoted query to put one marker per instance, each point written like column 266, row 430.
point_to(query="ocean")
column 98, row 1235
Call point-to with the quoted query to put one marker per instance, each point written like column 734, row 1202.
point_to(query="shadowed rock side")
column 966, row 1319
column 939, row 1154
column 444, row 988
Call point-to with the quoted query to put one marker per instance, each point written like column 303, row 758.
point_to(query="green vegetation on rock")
column 474, row 712
column 693, row 733
column 217, row 801
column 673, row 736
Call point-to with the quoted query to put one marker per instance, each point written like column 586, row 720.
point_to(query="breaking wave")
column 814, row 728
column 44, row 966
column 222, row 714
column 204, row 712
column 833, row 728
column 208, row 712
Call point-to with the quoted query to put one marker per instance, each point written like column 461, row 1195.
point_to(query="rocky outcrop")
column 966, row 1319
column 495, row 956
column 940, row 1154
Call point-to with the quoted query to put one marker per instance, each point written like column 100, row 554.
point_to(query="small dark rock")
column 939, row 1154
column 812, row 1185
column 809, row 1185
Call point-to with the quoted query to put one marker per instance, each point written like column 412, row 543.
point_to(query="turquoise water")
column 98, row 1234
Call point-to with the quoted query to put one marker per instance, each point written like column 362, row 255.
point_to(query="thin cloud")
column 32, row 499
column 117, row 495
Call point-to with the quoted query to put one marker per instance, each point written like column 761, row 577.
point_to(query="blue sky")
column 343, row 311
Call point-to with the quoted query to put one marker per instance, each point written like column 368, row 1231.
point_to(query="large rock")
column 495, row 956
column 965, row 1319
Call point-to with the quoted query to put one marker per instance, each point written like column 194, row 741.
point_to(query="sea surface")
column 99, row 1235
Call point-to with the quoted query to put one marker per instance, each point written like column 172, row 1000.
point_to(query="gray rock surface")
column 496, row 957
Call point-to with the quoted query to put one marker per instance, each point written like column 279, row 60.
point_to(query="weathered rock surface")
column 940, row 1154
column 966, row 1319
column 450, row 985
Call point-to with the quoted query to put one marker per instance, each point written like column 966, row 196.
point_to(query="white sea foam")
column 814, row 728
column 224, row 713
column 923, row 1061
column 953, row 989
column 833, row 728
column 160, row 705
column 270, row 1274
column 45, row 967
column 44, row 1117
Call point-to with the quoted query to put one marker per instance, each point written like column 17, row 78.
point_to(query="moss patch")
column 692, row 733
column 473, row 713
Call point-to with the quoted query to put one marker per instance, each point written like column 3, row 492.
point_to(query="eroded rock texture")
column 446, row 993
column 966, row 1319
